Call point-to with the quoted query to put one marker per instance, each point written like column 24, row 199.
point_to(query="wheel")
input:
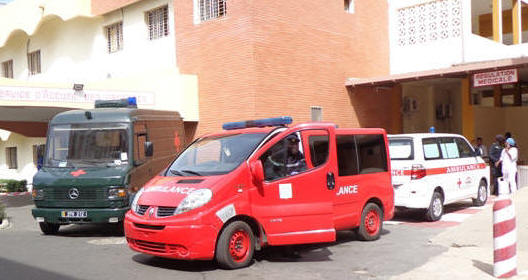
column 48, row 228
column 436, row 208
column 371, row 223
column 482, row 195
column 235, row 246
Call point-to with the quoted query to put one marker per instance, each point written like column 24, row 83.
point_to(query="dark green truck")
column 96, row 159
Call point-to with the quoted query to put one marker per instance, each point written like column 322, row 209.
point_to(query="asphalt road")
column 98, row 252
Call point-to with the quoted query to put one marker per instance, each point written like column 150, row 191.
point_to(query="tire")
column 482, row 194
column 48, row 228
column 235, row 246
column 371, row 223
column 436, row 208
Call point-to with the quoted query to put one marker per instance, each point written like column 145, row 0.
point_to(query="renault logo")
column 151, row 212
column 73, row 193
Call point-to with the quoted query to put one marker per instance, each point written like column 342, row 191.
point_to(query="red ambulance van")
column 261, row 183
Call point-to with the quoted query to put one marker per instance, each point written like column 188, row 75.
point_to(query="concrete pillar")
column 497, row 95
column 468, row 116
column 516, row 21
column 497, row 20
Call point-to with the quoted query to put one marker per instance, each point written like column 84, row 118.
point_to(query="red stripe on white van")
column 442, row 170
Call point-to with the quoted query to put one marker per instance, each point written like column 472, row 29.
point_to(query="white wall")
column 443, row 53
column 26, row 169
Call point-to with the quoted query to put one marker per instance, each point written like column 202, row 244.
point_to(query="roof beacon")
column 129, row 102
column 280, row 121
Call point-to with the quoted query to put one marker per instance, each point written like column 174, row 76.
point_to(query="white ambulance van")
column 430, row 170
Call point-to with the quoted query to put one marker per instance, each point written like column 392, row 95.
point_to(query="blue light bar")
column 132, row 101
column 280, row 121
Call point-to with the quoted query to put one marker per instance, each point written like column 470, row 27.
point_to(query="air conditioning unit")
column 409, row 105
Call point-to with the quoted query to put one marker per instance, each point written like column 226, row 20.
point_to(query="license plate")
column 74, row 214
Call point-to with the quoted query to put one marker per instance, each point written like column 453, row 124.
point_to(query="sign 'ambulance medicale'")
column 507, row 76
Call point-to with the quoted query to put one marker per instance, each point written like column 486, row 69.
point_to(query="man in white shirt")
column 508, row 159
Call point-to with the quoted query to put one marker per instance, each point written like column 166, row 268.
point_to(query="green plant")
column 13, row 185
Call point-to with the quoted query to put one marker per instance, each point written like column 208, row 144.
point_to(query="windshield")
column 215, row 155
column 81, row 145
column 401, row 149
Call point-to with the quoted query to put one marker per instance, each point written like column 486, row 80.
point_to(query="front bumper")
column 95, row 215
column 190, row 242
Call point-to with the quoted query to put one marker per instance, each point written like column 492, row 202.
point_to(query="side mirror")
column 257, row 172
column 149, row 149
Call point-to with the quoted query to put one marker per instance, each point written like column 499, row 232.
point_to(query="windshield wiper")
column 175, row 172
column 192, row 172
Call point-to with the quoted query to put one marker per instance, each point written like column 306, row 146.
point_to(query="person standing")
column 508, row 160
column 480, row 148
column 495, row 151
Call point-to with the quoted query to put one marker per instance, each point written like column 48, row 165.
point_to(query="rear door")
column 452, row 171
column 471, row 168
column 294, row 204
column 401, row 151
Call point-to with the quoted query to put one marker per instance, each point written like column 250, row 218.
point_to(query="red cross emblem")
column 459, row 182
column 77, row 173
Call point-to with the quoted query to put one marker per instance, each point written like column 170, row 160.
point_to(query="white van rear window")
column 401, row 149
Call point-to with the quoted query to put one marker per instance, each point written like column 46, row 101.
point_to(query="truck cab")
column 259, row 183
column 95, row 159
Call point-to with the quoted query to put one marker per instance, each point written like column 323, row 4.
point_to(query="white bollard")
column 504, row 238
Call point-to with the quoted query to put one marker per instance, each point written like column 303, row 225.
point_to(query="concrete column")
column 497, row 95
column 516, row 21
column 497, row 21
column 468, row 116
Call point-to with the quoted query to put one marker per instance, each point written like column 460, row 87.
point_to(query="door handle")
column 330, row 181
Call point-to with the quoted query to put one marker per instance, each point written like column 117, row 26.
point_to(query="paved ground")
column 408, row 246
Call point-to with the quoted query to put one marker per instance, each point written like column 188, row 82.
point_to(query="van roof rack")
column 129, row 102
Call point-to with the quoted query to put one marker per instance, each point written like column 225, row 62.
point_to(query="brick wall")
column 275, row 57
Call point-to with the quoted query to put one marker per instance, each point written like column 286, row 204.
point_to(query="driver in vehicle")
column 290, row 160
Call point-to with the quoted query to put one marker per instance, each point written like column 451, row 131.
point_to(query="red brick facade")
column 276, row 57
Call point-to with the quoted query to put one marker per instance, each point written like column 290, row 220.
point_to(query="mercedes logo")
column 73, row 193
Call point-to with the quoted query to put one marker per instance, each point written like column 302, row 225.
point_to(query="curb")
column 14, row 193
column 4, row 224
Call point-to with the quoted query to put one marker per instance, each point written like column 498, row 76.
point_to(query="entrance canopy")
column 456, row 71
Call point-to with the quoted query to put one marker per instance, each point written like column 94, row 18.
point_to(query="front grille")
column 84, row 194
column 166, row 211
column 150, row 246
column 149, row 226
column 142, row 209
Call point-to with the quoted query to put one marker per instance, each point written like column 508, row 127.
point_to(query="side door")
column 435, row 165
column 361, row 160
column 452, row 172
column 141, row 172
column 471, row 169
column 294, row 203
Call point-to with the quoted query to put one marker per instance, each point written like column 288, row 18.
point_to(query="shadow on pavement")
column 317, row 252
column 91, row 230
column 15, row 270
column 418, row 215
column 488, row 268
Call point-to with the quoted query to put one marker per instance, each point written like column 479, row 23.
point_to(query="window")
column 430, row 148
column 34, row 63
column 285, row 158
column 449, row 148
column 401, row 149
column 158, row 22
column 347, row 159
column 7, row 69
column 371, row 153
column 11, row 157
column 463, row 148
column 211, row 9
column 114, row 37
column 349, row 6
column 317, row 113
column 318, row 149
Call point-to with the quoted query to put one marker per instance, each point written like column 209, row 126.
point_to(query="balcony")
column 427, row 35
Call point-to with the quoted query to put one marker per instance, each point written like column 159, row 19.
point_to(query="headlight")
column 38, row 194
column 134, row 205
column 117, row 193
column 194, row 199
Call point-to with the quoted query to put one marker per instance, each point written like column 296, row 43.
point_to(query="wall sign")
column 68, row 95
column 507, row 76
